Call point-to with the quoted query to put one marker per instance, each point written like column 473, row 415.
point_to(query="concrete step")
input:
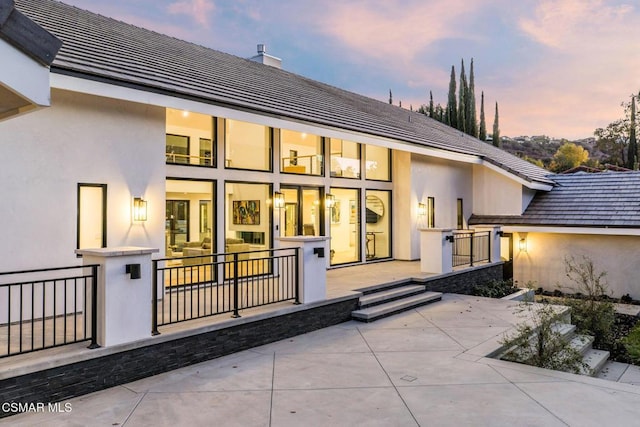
column 389, row 295
column 581, row 343
column 387, row 309
column 595, row 360
column 566, row 330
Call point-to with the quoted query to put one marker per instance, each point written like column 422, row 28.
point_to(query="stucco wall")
column 543, row 262
column 79, row 139
column 495, row 194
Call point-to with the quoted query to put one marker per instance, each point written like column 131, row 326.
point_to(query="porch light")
column 522, row 245
column 329, row 200
column 278, row 200
column 422, row 209
column 139, row 209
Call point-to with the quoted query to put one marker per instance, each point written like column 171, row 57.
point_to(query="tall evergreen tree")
column 431, row 111
column 496, row 130
column 632, row 156
column 451, row 115
column 472, row 124
column 462, row 100
column 482, row 134
column 390, row 97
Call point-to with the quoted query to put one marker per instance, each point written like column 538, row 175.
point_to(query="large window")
column 189, row 138
column 247, row 146
column 345, row 226
column 189, row 219
column 92, row 216
column 345, row 159
column 247, row 216
column 378, row 163
column 303, row 214
column 301, row 153
column 378, row 224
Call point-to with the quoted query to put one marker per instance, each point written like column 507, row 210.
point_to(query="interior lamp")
column 278, row 200
column 139, row 209
column 329, row 200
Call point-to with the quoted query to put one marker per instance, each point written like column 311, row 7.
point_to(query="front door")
column 302, row 211
column 506, row 255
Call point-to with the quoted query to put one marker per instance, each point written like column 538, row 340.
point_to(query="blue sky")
column 555, row 67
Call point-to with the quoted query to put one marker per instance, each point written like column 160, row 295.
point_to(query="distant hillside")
column 542, row 147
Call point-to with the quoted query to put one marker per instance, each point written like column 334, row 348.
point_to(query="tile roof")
column 103, row 48
column 608, row 199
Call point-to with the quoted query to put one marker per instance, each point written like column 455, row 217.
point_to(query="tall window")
column 303, row 214
column 189, row 138
column 378, row 224
column 345, row 226
column 345, row 158
column 301, row 153
column 247, row 146
column 378, row 163
column 431, row 212
column 92, row 216
column 460, row 214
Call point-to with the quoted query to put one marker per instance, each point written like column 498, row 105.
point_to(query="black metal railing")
column 47, row 308
column 471, row 247
column 193, row 287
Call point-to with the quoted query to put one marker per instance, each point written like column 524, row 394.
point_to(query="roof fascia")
column 603, row 231
column 533, row 185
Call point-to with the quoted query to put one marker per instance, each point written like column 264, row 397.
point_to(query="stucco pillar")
column 312, row 265
column 436, row 250
column 124, row 293
column 494, row 240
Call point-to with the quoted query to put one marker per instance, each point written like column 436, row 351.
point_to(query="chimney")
column 266, row 59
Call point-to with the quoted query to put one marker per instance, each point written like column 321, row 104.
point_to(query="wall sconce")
column 422, row 209
column 139, row 209
column 522, row 244
column 329, row 200
column 278, row 200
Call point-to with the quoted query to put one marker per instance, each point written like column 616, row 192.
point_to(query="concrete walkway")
column 423, row 367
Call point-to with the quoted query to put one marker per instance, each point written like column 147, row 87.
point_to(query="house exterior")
column 225, row 154
column 592, row 215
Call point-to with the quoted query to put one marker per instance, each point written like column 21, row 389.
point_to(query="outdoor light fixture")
column 523, row 244
column 139, row 209
column 329, row 200
column 422, row 209
column 278, row 200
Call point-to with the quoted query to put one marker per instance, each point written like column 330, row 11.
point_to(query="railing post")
column 235, row 285
column 471, row 239
column 296, row 275
column 94, row 307
column 154, row 299
column 489, row 246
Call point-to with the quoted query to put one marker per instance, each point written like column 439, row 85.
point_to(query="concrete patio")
column 426, row 366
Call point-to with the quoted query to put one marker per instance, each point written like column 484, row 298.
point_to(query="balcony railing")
column 205, row 285
column 470, row 248
column 47, row 308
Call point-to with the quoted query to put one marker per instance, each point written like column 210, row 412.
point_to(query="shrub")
column 632, row 343
column 537, row 342
column 494, row 289
column 593, row 313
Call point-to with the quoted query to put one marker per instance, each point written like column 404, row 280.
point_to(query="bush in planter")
column 593, row 313
column 632, row 343
column 495, row 289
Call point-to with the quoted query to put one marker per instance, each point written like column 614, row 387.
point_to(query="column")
column 312, row 265
column 436, row 250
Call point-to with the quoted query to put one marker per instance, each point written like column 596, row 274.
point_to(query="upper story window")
column 247, row 146
column 345, row 158
column 301, row 153
column 377, row 163
column 190, row 138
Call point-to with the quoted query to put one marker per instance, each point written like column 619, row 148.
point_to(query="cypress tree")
column 482, row 135
column 390, row 97
column 431, row 104
column 451, row 114
column 462, row 100
column 632, row 156
column 472, row 124
column 496, row 130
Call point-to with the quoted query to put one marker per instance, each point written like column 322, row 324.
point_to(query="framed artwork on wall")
column 246, row 212
column 335, row 212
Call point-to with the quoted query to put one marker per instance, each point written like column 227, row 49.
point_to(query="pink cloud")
column 199, row 10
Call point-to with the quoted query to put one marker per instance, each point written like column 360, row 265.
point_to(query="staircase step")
column 565, row 330
column 595, row 360
column 383, row 310
column 390, row 295
column 581, row 343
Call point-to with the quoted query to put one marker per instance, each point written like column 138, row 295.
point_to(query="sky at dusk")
column 556, row 67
